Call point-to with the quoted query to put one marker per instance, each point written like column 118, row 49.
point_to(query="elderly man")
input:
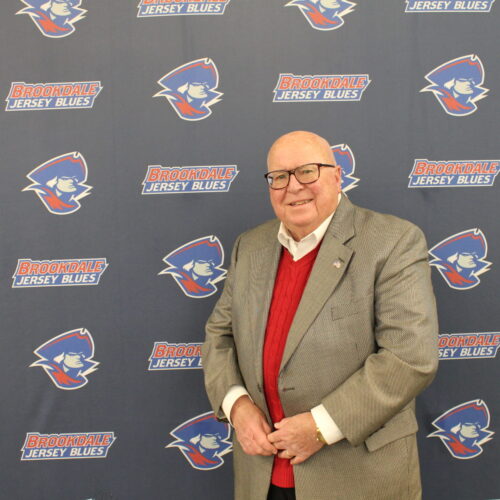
column 324, row 334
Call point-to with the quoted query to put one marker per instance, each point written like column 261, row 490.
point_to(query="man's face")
column 203, row 267
column 210, row 441
column 66, row 184
column 197, row 90
column 464, row 86
column 469, row 430
column 60, row 7
column 303, row 207
column 467, row 260
column 329, row 4
column 73, row 359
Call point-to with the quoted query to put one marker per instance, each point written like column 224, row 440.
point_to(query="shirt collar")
column 299, row 249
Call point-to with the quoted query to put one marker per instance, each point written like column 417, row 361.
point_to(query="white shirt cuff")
column 235, row 392
column 326, row 425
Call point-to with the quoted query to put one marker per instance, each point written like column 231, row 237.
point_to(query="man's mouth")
column 301, row 202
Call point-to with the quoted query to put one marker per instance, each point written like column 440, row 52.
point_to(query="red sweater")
column 291, row 279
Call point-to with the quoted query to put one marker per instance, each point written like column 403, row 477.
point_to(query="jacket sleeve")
column 405, row 332
column 219, row 358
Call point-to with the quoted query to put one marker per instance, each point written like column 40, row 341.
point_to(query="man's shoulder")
column 381, row 226
column 375, row 219
column 264, row 234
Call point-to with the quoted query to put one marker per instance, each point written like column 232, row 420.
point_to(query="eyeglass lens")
column 304, row 174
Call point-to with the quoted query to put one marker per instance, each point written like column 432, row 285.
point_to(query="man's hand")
column 296, row 436
column 251, row 428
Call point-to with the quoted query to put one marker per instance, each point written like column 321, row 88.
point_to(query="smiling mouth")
column 298, row 203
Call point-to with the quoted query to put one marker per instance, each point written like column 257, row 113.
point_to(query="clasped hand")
column 294, row 437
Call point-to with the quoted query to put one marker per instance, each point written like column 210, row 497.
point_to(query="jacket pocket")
column 401, row 425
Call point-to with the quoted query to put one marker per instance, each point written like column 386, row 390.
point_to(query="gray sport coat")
column 363, row 343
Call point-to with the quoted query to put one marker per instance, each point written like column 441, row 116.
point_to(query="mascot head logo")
column 345, row 160
column 60, row 183
column 195, row 266
column 190, row 89
column 323, row 15
column 67, row 359
column 203, row 441
column 54, row 18
column 460, row 258
column 457, row 84
column 464, row 428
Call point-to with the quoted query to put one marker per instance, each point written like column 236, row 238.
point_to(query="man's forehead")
column 307, row 146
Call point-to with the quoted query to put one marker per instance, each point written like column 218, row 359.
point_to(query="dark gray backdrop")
column 133, row 307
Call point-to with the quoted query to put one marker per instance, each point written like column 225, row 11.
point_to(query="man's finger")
column 267, row 446
column 285, row 454
column 275, row 436
column 298, row 460
column 266, row 427
column 277, row 442
column 281, row 423
column 272, row 437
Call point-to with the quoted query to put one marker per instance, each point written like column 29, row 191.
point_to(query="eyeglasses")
column 305, row 174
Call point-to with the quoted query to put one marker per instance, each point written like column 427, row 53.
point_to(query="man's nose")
column 294, row 185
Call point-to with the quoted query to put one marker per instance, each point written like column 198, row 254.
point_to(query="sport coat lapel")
column 331, row 264
column 263, row 267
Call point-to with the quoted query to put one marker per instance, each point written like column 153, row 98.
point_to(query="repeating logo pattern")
column 167, row 356
column 157, row 8
column 431, row 6
column 54, row 18
column 323, row 15
column 66, row 272
column 67, row 358
column 196, row 266
column 345, row 160
column 319, row 88
column 469, row 345
column 464, row 429
column 459, row 173
column 190, row 89
column 58, row 95
column 67, row 446
column 456, row 85
column 203, row 441
column 60, row 183
column 201, row 179
column 460, row 258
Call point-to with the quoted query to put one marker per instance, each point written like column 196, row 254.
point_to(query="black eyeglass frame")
column 292, row 172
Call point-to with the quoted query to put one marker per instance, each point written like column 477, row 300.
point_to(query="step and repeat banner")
column 134, row 140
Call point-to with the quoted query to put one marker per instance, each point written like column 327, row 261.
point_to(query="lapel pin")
column 337, row 264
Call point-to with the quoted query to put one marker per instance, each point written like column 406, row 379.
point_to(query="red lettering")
column 229, row 173
column 420, row 168
column 32, row 441
column 159, row 351
column 23, row 268
column 16, row 90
